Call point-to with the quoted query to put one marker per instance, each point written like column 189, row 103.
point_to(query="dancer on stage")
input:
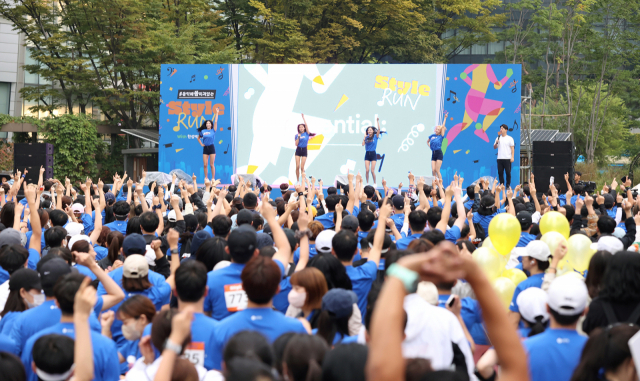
column 370, row 142
column 207, row 132
column 302, row 140
column 435, row 143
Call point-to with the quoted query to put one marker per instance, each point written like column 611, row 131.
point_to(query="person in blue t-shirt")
column 191, row 289
column 555, row 353
column 344, row 246
column 136, row 314
column 435, row 143
column 469, row 312
column 121, row 211
column 534, row 261
column 417, row 223
column 105, row 355
column 486, row 211
column 370, row 143
column 302, row 140
column 207, row 139
column 260, row 281
column 226, row 295
column 526, row 222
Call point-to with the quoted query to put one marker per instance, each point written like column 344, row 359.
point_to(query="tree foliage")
column 76, row 143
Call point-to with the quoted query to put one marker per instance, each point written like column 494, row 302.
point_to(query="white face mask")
column 130, row 332
column 38, row 299
column 296, row 298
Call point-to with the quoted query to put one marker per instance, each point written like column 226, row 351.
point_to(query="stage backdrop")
column 339, row 102
column 189, row 95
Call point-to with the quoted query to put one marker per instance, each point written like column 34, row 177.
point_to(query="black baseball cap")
column 525, row 219
column 24, row 278
column 350, row 223
column 134, row 244
column 51, row 271
column 242, row 241
column 398, row 202
column 608, row 200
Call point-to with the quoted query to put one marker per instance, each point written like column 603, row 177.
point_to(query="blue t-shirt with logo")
column 525, row 238
column 272, row 324
column 554, row 354
column 370, row 144
column 208, row 137
column 435, row 142
column 485, row 220
column 120, row 226
column 304, row 140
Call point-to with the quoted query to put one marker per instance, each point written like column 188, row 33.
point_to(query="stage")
column 261, row 105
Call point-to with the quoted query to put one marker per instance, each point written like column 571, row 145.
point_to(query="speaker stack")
column 553, row 159
column 32, row 156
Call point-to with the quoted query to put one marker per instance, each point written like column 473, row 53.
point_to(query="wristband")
column 301, row 233
column 170, row 345
column 408, row 277
column 174, row 251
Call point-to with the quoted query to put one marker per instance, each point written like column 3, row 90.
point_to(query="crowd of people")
column 105, row 282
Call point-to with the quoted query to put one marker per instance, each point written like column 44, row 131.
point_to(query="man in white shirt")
column 505, row 146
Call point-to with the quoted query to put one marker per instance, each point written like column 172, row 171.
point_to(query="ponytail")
column 329, row 326
column 114, row 242
column 314, row 372
column 537, row 327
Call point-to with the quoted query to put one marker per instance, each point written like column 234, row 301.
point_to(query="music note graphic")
column 227, row 150
column 455, row 96
column 515, row 126
column 229, row 128
column 513, row 84
column 193, row 78
column 381, row 159
column 220, row 74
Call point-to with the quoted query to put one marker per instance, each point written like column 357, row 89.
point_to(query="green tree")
column 76, row 143
column 108, row 53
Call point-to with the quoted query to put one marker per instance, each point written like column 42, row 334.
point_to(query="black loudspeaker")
column 553, row 147
column 30, row 157
column 553, row 159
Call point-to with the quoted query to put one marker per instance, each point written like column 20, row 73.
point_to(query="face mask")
column 130, row 332
column 297, row 299
column 38, row 299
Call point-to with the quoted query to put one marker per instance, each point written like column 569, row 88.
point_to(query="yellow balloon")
column 489, row 261
column 553, row 239
column 554, row 222
column 488, row 244
column 515, row 275
column 505, row 289
column 579, row 252
column 504, row 230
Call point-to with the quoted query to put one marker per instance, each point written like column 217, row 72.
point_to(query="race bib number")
column 195, row 353
column 235, row 297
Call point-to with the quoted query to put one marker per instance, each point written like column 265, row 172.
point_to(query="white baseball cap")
column 135, row 266
column 608, row 243
column 77, row 208
column 171, row 217
column 532, row 303
column 76, row 238
column 538, row 250
column 568, row 296
column 323, row 241
column 74, row 228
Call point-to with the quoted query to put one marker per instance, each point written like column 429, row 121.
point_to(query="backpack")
column 611, row 316
column 480, row 233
